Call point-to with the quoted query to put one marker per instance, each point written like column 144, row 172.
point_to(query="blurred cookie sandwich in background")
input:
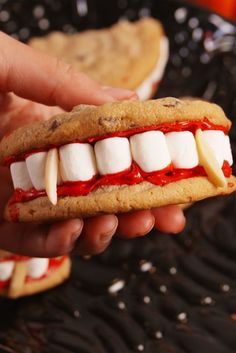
column 131, row 55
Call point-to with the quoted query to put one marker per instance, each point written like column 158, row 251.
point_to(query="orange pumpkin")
column 224, row 7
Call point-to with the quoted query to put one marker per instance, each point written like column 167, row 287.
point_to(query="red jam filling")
column 191, row 126
column 131, row 176
column 14, row 258
column 4, row 284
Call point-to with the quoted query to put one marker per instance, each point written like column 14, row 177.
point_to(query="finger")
column 18, row 111
column 97, row 234
column 169, row 219
column 5, row 189
column 40, row 240
column 120, row 93
column 135, row 224
column 54, row 82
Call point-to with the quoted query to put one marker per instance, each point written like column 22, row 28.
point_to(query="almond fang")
column 51, row 175
column 208, row 160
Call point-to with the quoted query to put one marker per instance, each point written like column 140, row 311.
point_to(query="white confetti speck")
column 121, row 305
column 182, row 317
column 76, row 313
column 173, row 270
column 146, row 299
column 116, row 286
column 158, row 335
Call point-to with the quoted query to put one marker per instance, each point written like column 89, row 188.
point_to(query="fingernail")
column 77, row 230
column 105, row 238
column 120, row 93
column 149, row 228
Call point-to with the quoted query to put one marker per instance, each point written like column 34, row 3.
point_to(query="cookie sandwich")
column 119, row 157
column 130, row 55
column 22, row 276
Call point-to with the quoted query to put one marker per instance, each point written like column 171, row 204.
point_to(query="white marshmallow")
column 113, row 155
column 144, row 91
column 216, row 140
column 37, row 267
column 36, row 168
column 20, row 176
column 183, row 150
column 228, row 151
column 149, row 150
column 6, row 269
column 77, row 162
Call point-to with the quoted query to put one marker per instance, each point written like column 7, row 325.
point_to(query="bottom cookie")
column 118, row 199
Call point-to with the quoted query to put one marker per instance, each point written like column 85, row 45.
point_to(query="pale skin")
column 33, row 86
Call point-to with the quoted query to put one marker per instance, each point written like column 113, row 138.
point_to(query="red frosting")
column 132, row 176
column 4, row 284
column 192, row 126
column 13, row 257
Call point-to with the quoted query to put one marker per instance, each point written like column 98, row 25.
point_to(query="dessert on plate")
column 22, row 276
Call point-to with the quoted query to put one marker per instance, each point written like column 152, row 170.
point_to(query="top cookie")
column 130, row 50
column 89, row 121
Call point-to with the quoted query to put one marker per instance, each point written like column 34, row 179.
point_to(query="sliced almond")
column 51, row 175
column 208, row 160
column 59, row 178
column 16, row 287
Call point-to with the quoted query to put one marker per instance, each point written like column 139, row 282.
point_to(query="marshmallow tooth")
column 228, row 156
column 182, row 148
column 36, row 167
column 77, row 162
column 209, row 161
column 37, row 267
column 216, row 140
column 113, row 155
column 6, row 270
column 20, row 176
column 51, row 175
column 149, row 150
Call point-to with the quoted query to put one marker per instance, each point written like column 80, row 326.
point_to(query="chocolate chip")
column 106, row 120
column 133, row 125
column 55, row 124
column 172, row 104
column 80, row 57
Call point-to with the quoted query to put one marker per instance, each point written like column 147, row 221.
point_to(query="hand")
column 32, row 85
